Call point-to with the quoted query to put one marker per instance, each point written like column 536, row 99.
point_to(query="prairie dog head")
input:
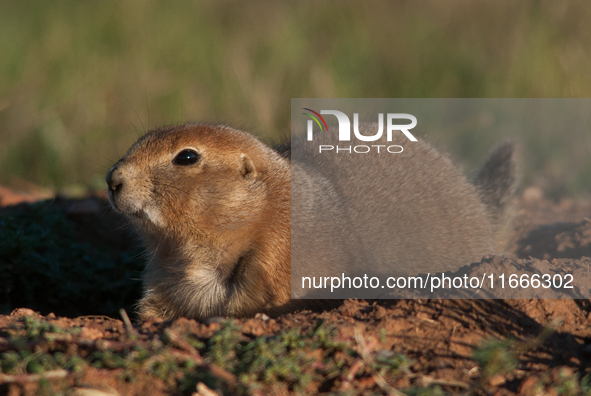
column 190, row 179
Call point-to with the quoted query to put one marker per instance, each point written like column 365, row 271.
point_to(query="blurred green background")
column 79, row 81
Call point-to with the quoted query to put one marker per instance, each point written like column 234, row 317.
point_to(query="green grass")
column 290, row 360
column 496, row 357
column 80, row 80
column 303, row 360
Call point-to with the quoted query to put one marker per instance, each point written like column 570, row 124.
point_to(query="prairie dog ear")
column 247, row 169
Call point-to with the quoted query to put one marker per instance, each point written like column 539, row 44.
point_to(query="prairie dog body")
column 213, row 206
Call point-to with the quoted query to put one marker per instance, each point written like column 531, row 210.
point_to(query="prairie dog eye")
column 186, row 157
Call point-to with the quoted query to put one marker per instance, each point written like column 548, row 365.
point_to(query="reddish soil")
column 551, row 338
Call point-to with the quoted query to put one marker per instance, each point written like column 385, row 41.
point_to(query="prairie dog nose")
column 114, row 179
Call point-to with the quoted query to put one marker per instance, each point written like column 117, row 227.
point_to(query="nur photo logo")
column 345, row 135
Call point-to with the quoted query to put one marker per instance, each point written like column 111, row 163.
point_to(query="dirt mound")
column 419, row 346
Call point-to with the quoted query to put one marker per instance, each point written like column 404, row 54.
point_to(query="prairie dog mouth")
column 117, row 206
column 129, row 212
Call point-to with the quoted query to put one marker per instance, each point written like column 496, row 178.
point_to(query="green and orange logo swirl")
column 317, row 117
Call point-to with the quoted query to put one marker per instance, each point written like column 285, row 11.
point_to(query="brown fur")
column 218, row 231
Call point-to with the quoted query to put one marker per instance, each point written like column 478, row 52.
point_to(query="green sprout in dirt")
column 496, row 357
column 389, row 362
column 434, row 391
column 224, row 346
column 586, row 385
column 269, row 359
column 27, row 362
column 36, row 328
column 568, row 384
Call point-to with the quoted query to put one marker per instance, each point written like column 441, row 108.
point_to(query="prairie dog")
column 213, row 207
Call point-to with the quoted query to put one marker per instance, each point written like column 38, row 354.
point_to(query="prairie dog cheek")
column 223, row 205
column 155, row 216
